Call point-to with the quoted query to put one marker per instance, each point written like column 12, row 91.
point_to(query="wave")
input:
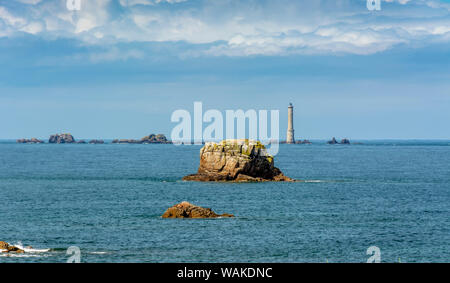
column 98, row 253
column 28, row 249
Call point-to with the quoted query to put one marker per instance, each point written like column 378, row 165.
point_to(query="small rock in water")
column 6, row 248
column 188, row 210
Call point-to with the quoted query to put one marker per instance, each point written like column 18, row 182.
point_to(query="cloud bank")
column 233, row 27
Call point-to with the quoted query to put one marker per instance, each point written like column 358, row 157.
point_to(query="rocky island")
column 236, row 161
column 161, row 139
column 188, row 210
column 61, row 138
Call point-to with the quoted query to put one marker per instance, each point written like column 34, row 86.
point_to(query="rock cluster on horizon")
column 6, row 248
column 160, row 138
column 334, row 141
column 32, row 140
column 188, row 210
column 236, row 161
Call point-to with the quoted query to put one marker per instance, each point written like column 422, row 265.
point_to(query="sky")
column 119, row 69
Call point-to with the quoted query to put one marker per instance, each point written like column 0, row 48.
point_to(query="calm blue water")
column 107, row 200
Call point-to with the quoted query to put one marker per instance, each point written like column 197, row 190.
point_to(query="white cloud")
column 9, row 19
column 240, row 28
column 33, row 28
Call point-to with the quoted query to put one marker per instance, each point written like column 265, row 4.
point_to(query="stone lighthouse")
column 290, row 130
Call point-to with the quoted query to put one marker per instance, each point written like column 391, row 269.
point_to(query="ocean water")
column 107, row 200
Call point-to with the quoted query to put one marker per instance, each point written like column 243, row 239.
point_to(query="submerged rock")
column 188, row 210
column 236, row 161
column 61, row 138
column 6, row 248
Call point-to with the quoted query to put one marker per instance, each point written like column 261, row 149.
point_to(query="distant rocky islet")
column 150, row 139
column 161, row 139
column 67, row 138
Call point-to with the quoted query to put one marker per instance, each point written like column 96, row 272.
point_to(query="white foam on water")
column 28, row 251
column 98, row 253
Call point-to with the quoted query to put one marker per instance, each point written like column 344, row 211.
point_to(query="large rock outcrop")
column 236, row 161
column 61, row 138
column 6, row 248
column 188, row 210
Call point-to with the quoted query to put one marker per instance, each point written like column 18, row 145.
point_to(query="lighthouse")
column 290, row 130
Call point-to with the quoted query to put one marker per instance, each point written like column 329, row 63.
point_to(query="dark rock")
column 303, row 142
column 188, row 210
column 145, row 140
column 155, row 139
column 81, row 142
column 236, row 161
column 96, row 142
column 61, row 138
column 333, row 141
column 33, row 140
column 123, row 141
column 345, row 141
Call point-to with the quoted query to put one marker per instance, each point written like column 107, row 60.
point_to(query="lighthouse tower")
column 290, row 130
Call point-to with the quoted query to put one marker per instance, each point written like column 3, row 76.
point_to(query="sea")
column 384, row 198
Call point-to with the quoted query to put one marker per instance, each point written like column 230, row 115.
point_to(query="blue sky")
column 118, row 69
